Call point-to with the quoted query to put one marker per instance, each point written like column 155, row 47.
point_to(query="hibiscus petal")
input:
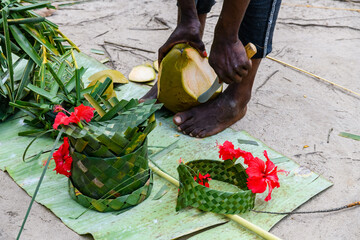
column 74, row 118
column 256, row 168
column 256, row 185
column 271, row 185
column 85, row 113
column 60, row 118
column 226, row 151
column 62, row 159
column 248, row 157
column 266, row 155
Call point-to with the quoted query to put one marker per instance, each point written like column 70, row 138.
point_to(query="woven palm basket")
column 198, row 196
column 110, row 159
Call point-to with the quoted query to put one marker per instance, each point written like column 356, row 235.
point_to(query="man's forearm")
column 187, row 10
column 231, row 16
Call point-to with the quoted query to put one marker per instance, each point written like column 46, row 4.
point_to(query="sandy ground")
column 288, row 109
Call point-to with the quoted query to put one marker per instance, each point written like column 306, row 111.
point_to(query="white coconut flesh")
column 198, row 75
column 142, row 73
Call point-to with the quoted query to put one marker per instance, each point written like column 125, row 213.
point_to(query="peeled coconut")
column 183, row 76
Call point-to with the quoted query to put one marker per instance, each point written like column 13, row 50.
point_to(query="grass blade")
column 39, row 37
column 51, row 24
column 25, row 44
column 25, row 20
column 100, row 88
column 39, row 184
column 113, row 111
column 40, row 134
column 94, row 104
column 56, row 77
column 30, row 7
column 68, row 40
column 8, row 53
column 44, row 93
column 25, row 79
column 78, row 86
column 350, row 135
column 60, row 73
column 14, row 48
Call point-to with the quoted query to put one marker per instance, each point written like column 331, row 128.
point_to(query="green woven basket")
column 124, row 202
column 115, row 176
column 110, row 156
column 198, row 196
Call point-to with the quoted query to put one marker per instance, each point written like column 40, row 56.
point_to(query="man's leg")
column 216, row 115
column 230, row 106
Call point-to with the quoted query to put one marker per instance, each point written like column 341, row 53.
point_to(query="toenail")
column 191, row 135
column 184, row 132
column 179, row 129
column 177, row 119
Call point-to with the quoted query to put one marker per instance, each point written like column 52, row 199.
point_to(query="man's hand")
column 185, row 32
column 228, row 56
column 229, row 60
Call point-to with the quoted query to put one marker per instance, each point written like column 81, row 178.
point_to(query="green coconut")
column 183, row 76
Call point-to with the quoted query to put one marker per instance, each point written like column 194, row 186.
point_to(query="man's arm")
column 187, row 31
column 228, row 56
column 187, row 11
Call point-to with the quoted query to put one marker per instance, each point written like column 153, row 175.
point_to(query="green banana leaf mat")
column 156, row 217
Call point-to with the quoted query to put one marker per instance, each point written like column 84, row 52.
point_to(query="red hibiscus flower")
column 80, row 113
column 61, row 118
column 227, row 151
column 262, row 175
column 248, row 157
column 63, row 159
column 203, row 180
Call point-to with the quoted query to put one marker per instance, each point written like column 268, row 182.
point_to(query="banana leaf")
column 154, row 219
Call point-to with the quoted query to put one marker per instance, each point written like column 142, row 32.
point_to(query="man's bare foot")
column 216, row 115
column 151, row 94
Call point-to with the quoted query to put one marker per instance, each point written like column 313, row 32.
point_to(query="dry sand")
column 289, row 111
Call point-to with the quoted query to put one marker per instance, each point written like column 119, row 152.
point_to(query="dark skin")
column 228, row 59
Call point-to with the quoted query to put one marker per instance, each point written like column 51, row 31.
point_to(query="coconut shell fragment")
column 116, row 76
column 142, row 73
column 156, row 65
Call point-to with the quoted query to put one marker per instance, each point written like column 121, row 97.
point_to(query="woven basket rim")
column 146, row 186
column 73, row 151
column 214, row 177
column 193, row 194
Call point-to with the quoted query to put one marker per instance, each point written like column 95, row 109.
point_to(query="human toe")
column 181, row 118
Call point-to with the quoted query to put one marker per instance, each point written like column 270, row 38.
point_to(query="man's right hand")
column 229, row 60
column 185, row 32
